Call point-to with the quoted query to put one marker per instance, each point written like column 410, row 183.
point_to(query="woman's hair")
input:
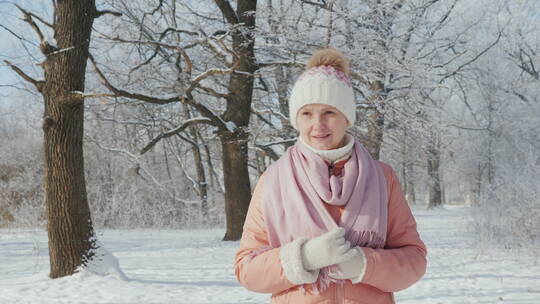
column 331, row 57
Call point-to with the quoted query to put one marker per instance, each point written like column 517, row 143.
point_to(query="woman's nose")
column 318, row 120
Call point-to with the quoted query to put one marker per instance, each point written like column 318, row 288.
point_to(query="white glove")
column 327, row 249
column 352, row 269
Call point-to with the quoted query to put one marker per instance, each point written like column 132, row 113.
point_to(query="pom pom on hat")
column 325, row 81
column 330, row 57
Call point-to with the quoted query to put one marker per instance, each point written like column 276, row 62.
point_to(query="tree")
column 240, row 88
column 508, row 206
column 403, row 54
column 232, row 124
column 71, row 235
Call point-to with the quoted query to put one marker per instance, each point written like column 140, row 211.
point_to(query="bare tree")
column 71, row 234
column 232, row 124
column 240, row 88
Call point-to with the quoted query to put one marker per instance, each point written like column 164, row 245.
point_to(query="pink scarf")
column 297, row 185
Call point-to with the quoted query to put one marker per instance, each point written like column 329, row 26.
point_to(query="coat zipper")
column 339, row 293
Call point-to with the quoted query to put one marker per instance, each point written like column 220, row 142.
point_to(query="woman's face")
column 321, row 126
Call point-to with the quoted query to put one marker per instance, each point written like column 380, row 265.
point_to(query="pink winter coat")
column 400, row 264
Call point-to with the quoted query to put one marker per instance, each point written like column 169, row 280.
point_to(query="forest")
column 168, row 111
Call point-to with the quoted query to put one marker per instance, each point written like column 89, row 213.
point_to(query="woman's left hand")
column 352, row 269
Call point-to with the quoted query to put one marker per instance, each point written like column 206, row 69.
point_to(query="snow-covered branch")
column 186, row 124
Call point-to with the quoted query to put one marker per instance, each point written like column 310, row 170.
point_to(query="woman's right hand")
column 327, row 249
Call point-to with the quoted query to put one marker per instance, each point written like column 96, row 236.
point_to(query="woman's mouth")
column 321, row 136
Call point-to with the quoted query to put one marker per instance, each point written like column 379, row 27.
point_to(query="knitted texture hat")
column 325, row 81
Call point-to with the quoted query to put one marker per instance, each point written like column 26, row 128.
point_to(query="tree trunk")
column 237, row 184
column 434, row 158
column 234, row 144
column 201, row 180
column 202, row 185
column 491, row 138
column 476, row 185
column 375, row 121
column 71, row 236
column 282, row 79
column 407, row 170
column 409, row 193
column 214, row 184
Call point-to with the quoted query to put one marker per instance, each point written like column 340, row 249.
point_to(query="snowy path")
column 196, row 267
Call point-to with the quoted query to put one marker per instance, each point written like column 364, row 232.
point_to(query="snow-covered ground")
column 194, row 266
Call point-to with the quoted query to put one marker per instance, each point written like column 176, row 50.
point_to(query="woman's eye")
column 305, row 113
column 329, row 112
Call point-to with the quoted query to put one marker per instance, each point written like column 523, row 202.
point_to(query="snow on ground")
column 195, row 266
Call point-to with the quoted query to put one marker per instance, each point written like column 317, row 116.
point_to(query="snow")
column 195, row 266
column 103, row 263
column 231, row 126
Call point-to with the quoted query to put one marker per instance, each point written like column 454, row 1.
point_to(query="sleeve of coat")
column 403, row 260
column 257, row 265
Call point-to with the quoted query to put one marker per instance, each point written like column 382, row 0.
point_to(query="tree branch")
column 37, row 83
column 45, row 47
column 268, row 151
column 445, row 16
column 266, row 148
column 518, row 95
column 28, row 19
column 93, row 95
column 467, row 128
column 36, row 16
column 283, row 64
column 175, row 30
column 527, row 65
column 278, row 114
column 175, row 131
column 213, row 92
column 223, row 46
column 279, row 142
column 138, row 167
column 218, row 122
column 105, row 12
column 259, row 115
column 14, row 34
column 160, row 5
column 319, row 5
column 227, row 11
column 473, row 59
column 210, row 72
column 360, row 78
column 122, row 93
column 189, row 63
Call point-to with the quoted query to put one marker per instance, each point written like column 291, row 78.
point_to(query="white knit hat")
column 323, row 84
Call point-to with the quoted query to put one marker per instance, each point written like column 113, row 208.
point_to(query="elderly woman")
column 327, row 223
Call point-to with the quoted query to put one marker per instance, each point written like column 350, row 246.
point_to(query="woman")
column 327, row 223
